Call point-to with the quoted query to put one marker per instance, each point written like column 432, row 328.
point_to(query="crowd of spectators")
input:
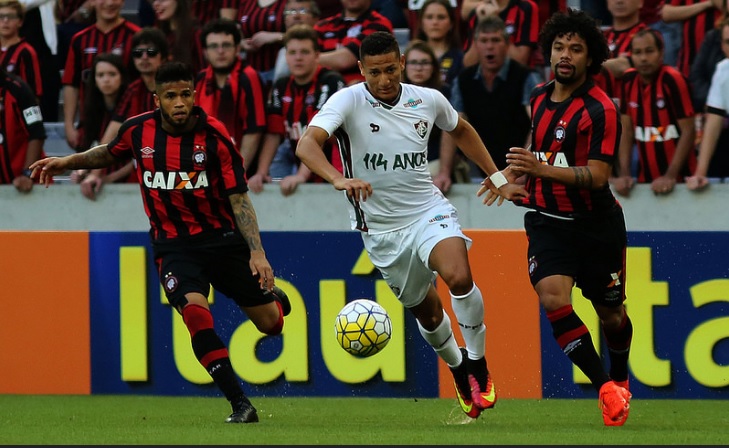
column 96, row 65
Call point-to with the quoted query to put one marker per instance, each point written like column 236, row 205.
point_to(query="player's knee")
column 275, row 329
column 273, row 323
column 460, row 283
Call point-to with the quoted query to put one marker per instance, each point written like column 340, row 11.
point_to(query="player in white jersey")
column 409, row 229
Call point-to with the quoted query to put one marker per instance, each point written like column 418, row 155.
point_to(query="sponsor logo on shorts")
column 170, row 283
column 532, row 265
column 437, row 218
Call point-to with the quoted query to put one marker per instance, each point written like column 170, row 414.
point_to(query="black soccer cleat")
column 243, row 412
column 280, row 296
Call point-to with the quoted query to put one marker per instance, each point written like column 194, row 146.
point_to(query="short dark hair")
column 649, row 31
column 172, row 71
column 152, row 36
column 492, row 24
column 378, row 43
column 582, row 24
column 220, row 26
column 302, row 31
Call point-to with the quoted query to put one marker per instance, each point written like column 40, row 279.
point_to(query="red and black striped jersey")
column 522, row 24
column 20, row 121
column 335, row 32
column 292, row 106
column 206, row 10
column 252, row 19
column 240, row 105
column 608, row 83
column 89, row 42
column 185, row 179
column 655, row 110
column 694, row 30
column 135, row 100
column 22, row 60
column 619, row 41
column 568, row 134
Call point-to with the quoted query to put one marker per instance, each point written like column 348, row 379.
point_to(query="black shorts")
column 590, row 250
column 219, row 259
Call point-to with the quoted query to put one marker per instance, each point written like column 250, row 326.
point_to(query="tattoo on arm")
column 96, row 157
column 245, row 218
column 583, row 176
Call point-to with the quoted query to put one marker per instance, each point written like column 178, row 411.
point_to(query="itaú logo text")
column 175, row 180
column 656, row 134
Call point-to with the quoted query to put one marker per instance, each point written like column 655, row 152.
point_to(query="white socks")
column 469, row 311
column 443, row 342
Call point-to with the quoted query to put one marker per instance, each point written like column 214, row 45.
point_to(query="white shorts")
column 402, row 255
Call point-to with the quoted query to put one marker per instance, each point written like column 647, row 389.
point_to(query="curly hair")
column 582, row 24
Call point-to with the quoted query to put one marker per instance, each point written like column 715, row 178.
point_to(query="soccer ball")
column 363, row 328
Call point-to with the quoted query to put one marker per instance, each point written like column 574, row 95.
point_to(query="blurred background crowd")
column 71, row 72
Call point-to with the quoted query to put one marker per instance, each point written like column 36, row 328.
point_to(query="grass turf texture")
column 153, row 420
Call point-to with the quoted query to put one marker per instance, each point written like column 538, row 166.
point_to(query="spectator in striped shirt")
column 17, row 56
column 111, row 33
column 22, row 132
column 340, row 36
column 657, row 115
column 231, row 90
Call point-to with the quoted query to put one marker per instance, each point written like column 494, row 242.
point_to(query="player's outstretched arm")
column 309, row 151
column 96, row 157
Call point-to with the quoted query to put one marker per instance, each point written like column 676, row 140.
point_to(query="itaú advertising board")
column 88, row 309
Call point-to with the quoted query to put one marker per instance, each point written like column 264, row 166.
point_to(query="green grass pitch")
column 154, row 420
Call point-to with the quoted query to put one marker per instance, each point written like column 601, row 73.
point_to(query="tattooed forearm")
column 583, row 176
column 245, row 218
column 96, row 157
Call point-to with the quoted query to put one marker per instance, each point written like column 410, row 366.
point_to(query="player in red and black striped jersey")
column 23, row 133
column 17, row 56
column 110, row 34
column 295, row 99
column 231, row 90
column 658, row 117
column 575, row 228
column 204, row 229
column 340, row 37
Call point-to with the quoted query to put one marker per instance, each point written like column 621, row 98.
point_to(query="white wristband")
column 498, row 179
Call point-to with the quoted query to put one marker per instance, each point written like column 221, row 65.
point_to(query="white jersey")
column 387, row 146
column 718, row 97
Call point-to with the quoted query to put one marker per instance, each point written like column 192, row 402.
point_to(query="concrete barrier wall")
column 320, row 207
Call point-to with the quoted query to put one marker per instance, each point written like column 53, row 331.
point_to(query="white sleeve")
column 718, row 97
column 332, row 115
column 446, row 116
